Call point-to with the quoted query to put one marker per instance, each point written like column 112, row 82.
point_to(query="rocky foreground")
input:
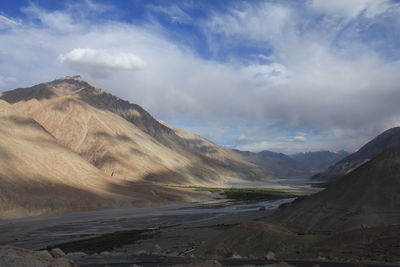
column 14, row 256
column 355, row 219
column 258, row 240
column 189, row 236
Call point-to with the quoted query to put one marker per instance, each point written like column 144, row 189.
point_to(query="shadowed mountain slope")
column 213, row 151
column 40, row 176
column 122, row 139
column 365, row 197
column 386, row 140
column 355, row 218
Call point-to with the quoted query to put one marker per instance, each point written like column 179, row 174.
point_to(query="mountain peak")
column 78, row 81
column 67, row 85
column 76, row 78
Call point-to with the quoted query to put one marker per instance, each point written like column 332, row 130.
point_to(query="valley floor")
column 150, row 236
column 42, row 231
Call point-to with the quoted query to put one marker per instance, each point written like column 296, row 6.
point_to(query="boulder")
column 13, row 256
column 57, row 253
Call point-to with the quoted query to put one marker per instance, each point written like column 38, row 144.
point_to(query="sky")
column 287, row 76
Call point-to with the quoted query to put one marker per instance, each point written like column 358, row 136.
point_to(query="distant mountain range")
column 386, row 140
column 280, row 165
column 356, row 217
column 299, row 166
column 319, row 160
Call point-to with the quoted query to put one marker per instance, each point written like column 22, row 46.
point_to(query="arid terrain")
column 182, row 133
column 355, row 218
column 101, row 179
column 70, row 139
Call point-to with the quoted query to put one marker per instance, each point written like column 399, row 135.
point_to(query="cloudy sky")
column 285, row 76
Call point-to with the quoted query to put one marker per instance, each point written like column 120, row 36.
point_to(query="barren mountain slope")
column 214, row 151
column 365, row 197
column 28, row 171
column 386, row 140
column 355, row 218
column 122, row 139
column 39, row 176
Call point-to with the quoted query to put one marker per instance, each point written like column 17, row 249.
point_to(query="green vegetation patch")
column 255, row 194
column 104, row 242
column 248, row 194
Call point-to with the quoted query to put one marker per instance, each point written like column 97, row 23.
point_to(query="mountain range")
column 122, row 139
column 365, row 197
column 319, row 160
column 356, row 217
column 70, row 145
column 296, row 166
column 386, row 140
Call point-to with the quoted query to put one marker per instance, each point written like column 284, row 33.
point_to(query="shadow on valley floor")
column 146, row 194
column 105, row 242
column 29, row 197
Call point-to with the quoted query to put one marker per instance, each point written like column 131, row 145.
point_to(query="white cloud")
column 97, row 62
column 287, row 147
column 257, row 146
column 243, row 139
column 57, row 21
column 288, row 144
column 6, row 23
column 174, row 12
column 307, row 84
column 266, row 73
column 6, row 81
column 297, row 138
column 350, row 9
column 261, row 23
column 94, row 6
